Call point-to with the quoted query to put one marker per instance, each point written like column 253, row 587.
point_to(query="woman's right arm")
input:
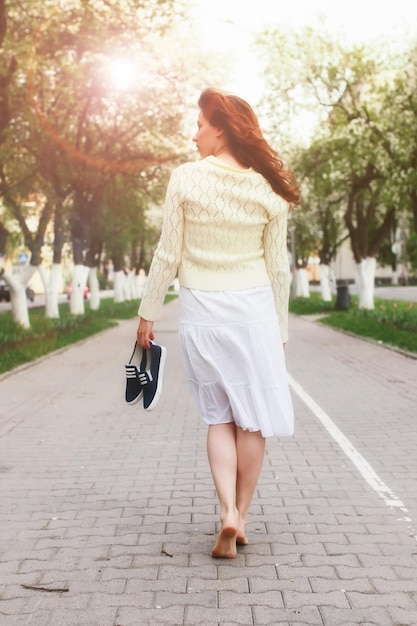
column 167, row 255
column 278, row 267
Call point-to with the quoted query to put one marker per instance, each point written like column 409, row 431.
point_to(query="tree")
column 101, row 101
column 8, row 68
column 348, row 85
column 401, row 101
column 77, row 125
column 323, row 200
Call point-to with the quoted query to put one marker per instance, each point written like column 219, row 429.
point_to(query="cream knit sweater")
column 224, row 229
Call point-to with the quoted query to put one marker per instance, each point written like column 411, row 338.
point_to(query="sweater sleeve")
column 167, row 255
column 278, row 267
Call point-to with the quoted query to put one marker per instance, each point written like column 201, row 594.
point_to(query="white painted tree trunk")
column 119, row 286
column 133, row 286
column 303, row 287
column 79, row 281
column 394, row 277
column 50, row 283
column 94, row 289
column 140, row 283
column 325, row 283
column 19, row 303
column 129, row 286
column 17, row 284
column 365, row 282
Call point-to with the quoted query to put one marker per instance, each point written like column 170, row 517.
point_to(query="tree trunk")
column 365, row 282
column 79, row 281
column 119, row 286
column 17, row 284
column 130, row 286
column 19, row 303
column 94, row 289
column 51, row 284
column 134, row 292
column 303, row 288
column 325, row 283
column 140, row 283
column 92, row 261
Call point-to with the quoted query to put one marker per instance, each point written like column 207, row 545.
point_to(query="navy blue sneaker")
column 136, row 363
column 151, row 379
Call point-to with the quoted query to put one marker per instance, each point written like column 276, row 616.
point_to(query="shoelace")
column 145, row 378
column 131, row 371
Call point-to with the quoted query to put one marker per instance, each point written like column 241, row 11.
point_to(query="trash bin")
column 343, row 297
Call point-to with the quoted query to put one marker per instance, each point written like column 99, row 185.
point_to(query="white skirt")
column 234, row 360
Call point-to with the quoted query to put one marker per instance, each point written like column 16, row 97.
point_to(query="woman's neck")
column 223, row 154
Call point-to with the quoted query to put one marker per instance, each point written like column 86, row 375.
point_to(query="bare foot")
column 225, row 547
column 241, row 539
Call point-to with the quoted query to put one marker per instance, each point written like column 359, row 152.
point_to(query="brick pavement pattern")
column 108, row 513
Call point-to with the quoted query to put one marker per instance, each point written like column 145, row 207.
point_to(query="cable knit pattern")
column 224, row 229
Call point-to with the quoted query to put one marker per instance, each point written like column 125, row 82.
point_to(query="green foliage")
column 393, row 314
column 314, row 305
column 357, row 162
column 393, row 322
column 98, row 105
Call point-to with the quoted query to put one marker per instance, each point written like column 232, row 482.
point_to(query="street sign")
column 23, row 258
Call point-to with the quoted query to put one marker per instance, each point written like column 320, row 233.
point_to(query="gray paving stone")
column 272, row 598
column 260, row 571
column 401, row 600
column 13, row 607
column 113, row 573
column 237, row 585
column 203, row 599
column 333, row 549
column 401, row 616
column 386, row 586
column 41, row 618
column 296, row 599
column 350, row 573
column 92, row 617
column 172, row 616
column 271, row 617
column 234, row 615
column 300, row 583
column 170, row 572
column 234, row 624
column 138, row 600
column 362, row 585
column 374, row 616
column 118, row 504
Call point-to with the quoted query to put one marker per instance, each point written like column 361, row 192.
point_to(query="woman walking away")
column 225, row 235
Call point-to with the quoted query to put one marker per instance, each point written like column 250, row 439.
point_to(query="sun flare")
column 121, row 73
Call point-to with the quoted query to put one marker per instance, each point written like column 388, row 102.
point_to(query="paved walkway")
column 108, row 513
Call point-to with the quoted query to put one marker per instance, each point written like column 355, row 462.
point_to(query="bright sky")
column 229, row 25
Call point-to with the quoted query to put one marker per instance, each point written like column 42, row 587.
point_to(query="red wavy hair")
column 246, row 141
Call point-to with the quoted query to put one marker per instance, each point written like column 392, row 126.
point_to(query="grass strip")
column 391, row 322
column 20, row 345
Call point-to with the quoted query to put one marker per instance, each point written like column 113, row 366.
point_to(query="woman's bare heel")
column 241, row 540
column 225, row 547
